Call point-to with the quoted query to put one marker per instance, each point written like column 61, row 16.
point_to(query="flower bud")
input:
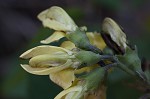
column 114, row 37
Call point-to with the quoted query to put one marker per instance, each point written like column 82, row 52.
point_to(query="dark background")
column 20, row 30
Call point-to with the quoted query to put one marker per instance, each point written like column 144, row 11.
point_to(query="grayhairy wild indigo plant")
column 81, row 64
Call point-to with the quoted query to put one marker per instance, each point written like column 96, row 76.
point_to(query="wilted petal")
column 63, row 78
column 68, row 45
column 54, row 37
column 45, row 49
column 117, row 35
column 56, row 18
column 46, row 71
column 96, row 39
column 71, row 89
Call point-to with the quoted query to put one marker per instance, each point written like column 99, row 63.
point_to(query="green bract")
column 88, row 57
column 131, row 60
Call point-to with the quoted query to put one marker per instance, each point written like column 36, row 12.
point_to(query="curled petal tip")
column 56, row 18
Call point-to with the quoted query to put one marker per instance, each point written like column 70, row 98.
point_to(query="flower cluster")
column 79, row 65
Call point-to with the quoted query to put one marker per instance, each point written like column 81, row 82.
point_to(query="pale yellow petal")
column 86, row 69
column 74, row 95
column 45, row 49
column 47, row 60
column 71, row 89
column 54, row 37
column 68, row 45
column 56, row 18
column 52, row 24
column 63, row 78
column 96, row 39
column 70, row 95
column 46, row 71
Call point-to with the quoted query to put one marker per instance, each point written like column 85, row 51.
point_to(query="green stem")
column 126, row 69
column 132, row 73
column 94, row 49
column 107, row 67
column 80, row 39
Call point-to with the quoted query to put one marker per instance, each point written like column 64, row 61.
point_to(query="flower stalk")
column 80, row 39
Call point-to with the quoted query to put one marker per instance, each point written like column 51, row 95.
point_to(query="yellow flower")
column 53, row 61
column 56, row 18
column 84, row 85
column 111, row 28
column 57, row 62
